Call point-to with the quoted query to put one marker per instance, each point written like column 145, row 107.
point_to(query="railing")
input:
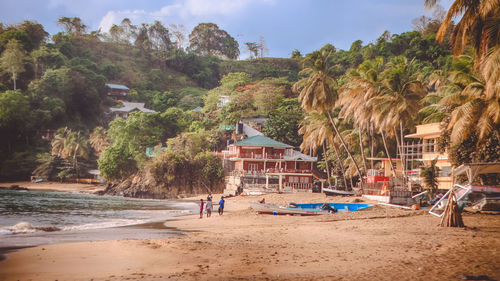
column 297, row 186
column 375, row 173
column 258, row 156
column 274, row 170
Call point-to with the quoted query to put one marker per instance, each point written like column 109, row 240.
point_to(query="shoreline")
column 56, row 186
column 393, row 244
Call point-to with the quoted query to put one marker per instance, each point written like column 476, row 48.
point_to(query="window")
column 304, row 180
column 252, row 167
column 445, row 171
column 430, row 145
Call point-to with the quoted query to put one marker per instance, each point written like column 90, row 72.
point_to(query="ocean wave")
column 26, row 227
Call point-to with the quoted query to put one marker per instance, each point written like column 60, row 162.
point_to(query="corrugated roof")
column 117, row 86
column 131, row 106
column 260, row 140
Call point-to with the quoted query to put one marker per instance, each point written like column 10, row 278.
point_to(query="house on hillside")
column 127, row 108
column 117, row 91
column 258, row 165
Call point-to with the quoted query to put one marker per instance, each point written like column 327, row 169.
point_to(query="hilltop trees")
column 12, row 59
column 207, row 38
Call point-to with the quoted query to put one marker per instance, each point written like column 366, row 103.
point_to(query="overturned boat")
column 308, row 209
column 335, row 192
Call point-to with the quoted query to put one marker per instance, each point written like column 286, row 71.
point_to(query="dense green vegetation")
column 345, row 105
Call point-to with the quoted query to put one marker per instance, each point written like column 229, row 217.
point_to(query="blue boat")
column 308, row 209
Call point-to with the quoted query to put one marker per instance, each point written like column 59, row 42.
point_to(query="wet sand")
column 380, row 243
column 57, row 186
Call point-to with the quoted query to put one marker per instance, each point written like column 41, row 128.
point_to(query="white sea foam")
column 26, row 227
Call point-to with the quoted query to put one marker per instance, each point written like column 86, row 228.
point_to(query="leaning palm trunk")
column 398, row 143
column 388, row 154
column 326, row 165
column 372, row 144
column 345, row 146
column 362, row 147
column 337, row 153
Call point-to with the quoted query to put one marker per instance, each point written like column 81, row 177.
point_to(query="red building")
column 259, row 164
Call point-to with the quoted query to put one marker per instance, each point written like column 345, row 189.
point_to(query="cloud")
column 186, row 10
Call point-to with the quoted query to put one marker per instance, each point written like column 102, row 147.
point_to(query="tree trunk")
column 344, row 144
column 388, row 154
column 372, row 143
column 337, row 152
column 362, row 148
column 326, row 164
column 14, row 76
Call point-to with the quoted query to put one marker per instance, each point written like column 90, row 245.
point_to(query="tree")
column 207, row 38
column 14, row 114
column 99, row 140
column 73, row 26
column 399, row 99
column 253, row 48
column 178, row 34
column 430, row 174
column 296, row 54
column 318, row 91
column 471, row 109
column 283, row 123
column 12, row 59
column 479, row 26
column 362, row 85
column 262, row 45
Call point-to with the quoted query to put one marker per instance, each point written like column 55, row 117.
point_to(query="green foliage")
column 12, row 59
column 283, row 123
column 207, row 38
column 210, row 167
column 430, row 174
column 203, row 69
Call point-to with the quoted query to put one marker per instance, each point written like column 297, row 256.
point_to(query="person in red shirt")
column 201, row 208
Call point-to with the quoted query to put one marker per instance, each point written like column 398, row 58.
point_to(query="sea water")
column 30, row 218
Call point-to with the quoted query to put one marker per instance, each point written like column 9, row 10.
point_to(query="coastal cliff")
column 145, row 185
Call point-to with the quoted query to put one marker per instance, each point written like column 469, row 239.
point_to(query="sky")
column 285, row 25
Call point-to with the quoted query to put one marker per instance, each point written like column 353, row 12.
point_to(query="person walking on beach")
column 209, row 206
column 201, row 208
column 221, row 206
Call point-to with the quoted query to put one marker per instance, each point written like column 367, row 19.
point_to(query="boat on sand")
column 335, row 192
column 308, row 209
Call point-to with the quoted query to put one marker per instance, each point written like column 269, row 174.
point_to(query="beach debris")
column 452, row 217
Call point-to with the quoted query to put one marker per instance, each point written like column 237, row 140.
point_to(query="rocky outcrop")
column 144, row 185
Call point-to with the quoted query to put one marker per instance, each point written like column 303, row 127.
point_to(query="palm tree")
column 99, row 140
column 479, row 26
column 362, row 85
column 318, row 91
column 317, row 131
column 69, row 144
column 59, row 141
column 471, row 110
column 399, row 98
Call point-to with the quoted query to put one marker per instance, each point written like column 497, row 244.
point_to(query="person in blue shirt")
column 221, row 206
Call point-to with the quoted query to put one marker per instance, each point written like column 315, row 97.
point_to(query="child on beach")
column 201, row 208
column 209, row 206
column 221, row 206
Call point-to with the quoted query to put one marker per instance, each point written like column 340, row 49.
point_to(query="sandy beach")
column 380, row 243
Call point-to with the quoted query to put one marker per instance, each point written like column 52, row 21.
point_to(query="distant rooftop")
column 131, row 106
column 117, row 86
column 260, row 140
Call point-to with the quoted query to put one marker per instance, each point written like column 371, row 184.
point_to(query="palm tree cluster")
column 471, row 93
column 71, row 144
column 382, row 99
